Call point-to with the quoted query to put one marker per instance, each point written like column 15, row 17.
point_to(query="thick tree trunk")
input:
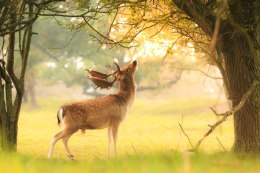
column 243, row 67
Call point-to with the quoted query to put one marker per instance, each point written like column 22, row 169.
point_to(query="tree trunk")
column 10, row 109
column 243, row 67
column 9, row 137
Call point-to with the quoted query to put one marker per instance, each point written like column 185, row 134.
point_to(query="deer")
column 98, row 113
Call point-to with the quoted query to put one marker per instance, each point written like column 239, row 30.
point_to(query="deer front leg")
column 115, row 132
column 109, row 133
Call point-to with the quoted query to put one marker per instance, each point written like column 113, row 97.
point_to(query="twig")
column 68, row 43
column 186, row 135
column 180, row 134
column 196, row 69
column 222, row 146
column 134, row 149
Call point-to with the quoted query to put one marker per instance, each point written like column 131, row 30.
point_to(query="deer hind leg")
column 58, row 136
column 65, row 142
column 115, row 134
column 109, row 133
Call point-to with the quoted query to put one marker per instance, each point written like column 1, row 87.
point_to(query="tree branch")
column 199, row 70
column 198, row 12
column 228, row 113
column 10, row 58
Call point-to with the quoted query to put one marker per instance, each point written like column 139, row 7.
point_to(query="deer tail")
column 60, row 116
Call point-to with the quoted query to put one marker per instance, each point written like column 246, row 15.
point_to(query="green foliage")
column 67, row 52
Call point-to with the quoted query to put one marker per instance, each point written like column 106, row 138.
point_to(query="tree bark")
column 243, row 67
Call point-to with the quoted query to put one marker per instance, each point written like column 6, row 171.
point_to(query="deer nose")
column 134, row 62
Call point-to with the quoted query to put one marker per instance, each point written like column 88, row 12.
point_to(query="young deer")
column 108, row 111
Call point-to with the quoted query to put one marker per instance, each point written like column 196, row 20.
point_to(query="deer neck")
column 127, row 89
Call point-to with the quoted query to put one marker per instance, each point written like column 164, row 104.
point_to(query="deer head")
column 100, row 79
column 126, row 72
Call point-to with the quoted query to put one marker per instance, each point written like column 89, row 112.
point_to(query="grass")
column 152, row 163
column 151, row 126
column 150, row 140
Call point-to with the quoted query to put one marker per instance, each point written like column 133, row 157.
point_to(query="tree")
column 16, row 23
column 12, row 22
column 235, row 27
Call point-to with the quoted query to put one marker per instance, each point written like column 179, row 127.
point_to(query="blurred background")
column 59, row 59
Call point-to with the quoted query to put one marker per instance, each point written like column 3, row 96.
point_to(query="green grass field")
column 150, row 140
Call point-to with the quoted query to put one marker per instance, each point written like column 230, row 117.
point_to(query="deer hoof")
column 71, row 157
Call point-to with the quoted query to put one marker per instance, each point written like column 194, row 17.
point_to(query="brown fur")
column 108, row 111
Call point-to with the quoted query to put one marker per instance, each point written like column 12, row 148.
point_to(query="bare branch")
column 199, row 70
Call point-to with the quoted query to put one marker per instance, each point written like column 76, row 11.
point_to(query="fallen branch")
column 228, row 113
